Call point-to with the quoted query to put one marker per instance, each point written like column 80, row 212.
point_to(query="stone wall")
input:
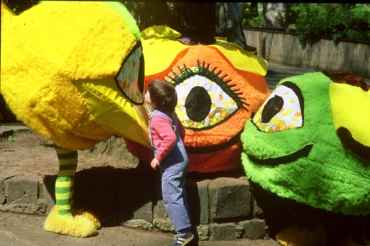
column 221, row 208
column 282, row 47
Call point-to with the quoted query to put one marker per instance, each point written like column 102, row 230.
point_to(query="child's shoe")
column 183, row 239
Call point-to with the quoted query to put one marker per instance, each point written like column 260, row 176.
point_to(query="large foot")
column 82, row 225
column 88, row 215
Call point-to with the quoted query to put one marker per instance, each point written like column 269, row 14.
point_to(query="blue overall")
column 173, row 170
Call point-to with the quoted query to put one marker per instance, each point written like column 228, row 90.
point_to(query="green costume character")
column 310, row 142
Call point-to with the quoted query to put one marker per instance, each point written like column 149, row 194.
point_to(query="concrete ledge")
column 281, row 47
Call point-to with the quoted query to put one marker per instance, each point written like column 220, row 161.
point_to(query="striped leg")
column 61, row 219
column 64, row 183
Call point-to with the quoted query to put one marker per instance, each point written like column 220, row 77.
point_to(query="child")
column 167, row 134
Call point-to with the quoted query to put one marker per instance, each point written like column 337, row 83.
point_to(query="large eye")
column 282, row 110
column 204, row 99
column 130, row 78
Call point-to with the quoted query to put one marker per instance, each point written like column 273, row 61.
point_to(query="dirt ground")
column 31, row 153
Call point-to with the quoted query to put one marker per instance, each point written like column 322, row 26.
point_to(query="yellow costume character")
column 73, row 72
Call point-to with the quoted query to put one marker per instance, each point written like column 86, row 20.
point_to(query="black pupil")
column 198, row 104
column 272, row 107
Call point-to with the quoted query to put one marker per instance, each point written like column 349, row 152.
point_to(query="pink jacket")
column 163, row 136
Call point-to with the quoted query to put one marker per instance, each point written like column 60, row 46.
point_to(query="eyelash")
column 203, row 70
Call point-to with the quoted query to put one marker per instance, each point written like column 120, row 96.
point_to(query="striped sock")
column 64, row 183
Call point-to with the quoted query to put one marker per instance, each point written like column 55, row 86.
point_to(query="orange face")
column 218, row 86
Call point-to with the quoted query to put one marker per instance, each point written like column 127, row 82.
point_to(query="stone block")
column 26, row 208
column 21, row 190
column 143, row 212
column 203, row 231
column 44, row 194
column 239, row 231
column 114, row 195
column 254, row 229
column 159, row 211
column 136, row 198
column 198, row 202
column 163, row 224
column 229, row 198
column 256, row 210
column 6, row 174
column 142, row 224
column 219, row 232
column 204, row 201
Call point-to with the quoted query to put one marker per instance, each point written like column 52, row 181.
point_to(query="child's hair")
column 163, row 94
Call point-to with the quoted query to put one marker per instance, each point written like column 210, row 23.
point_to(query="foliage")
column 250, row 16
column 293, row 12
column 315, row 21
column 184, row 17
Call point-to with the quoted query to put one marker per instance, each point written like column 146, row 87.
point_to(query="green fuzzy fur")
column 122, row 10
column 329, row 177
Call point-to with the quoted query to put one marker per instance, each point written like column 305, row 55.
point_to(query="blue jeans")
column 174, row 194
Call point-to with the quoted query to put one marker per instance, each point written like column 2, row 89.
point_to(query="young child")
column 167, row 134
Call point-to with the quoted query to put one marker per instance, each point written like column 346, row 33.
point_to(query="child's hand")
column 154, row 163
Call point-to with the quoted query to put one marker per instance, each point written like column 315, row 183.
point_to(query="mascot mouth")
column 208, row 149
column 283, row 159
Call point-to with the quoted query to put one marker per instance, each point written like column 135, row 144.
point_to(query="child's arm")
column 164, row 137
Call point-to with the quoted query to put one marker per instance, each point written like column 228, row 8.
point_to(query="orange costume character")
column 219, row 86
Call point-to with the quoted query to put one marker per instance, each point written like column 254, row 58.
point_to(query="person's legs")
column 174, row 195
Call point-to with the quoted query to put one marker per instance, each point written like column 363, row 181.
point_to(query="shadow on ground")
column 116, row 195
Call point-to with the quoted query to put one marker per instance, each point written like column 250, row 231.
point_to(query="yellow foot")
column 88, row 215
column 78, row 226
column 302, row 236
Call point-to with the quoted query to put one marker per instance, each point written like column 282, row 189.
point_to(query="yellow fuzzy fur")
column 84, row 225
column 302, row 236
column 88, row 215
column 47, row 53
column 43, row 51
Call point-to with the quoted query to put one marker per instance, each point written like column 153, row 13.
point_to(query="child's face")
column 147, row 99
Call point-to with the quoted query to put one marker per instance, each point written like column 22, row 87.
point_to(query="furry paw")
column 88, row 215
column 78, row 226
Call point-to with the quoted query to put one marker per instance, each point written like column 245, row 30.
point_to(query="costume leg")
column 64, row 183
column 61, row 220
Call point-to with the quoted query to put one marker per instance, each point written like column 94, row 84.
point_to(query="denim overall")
column 173, row 170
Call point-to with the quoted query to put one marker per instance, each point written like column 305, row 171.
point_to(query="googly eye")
column 130, row 78
column 204, row 99
column 282, row 110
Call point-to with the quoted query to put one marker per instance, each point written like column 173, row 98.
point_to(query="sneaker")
column 183, row 239
column 250, row 48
